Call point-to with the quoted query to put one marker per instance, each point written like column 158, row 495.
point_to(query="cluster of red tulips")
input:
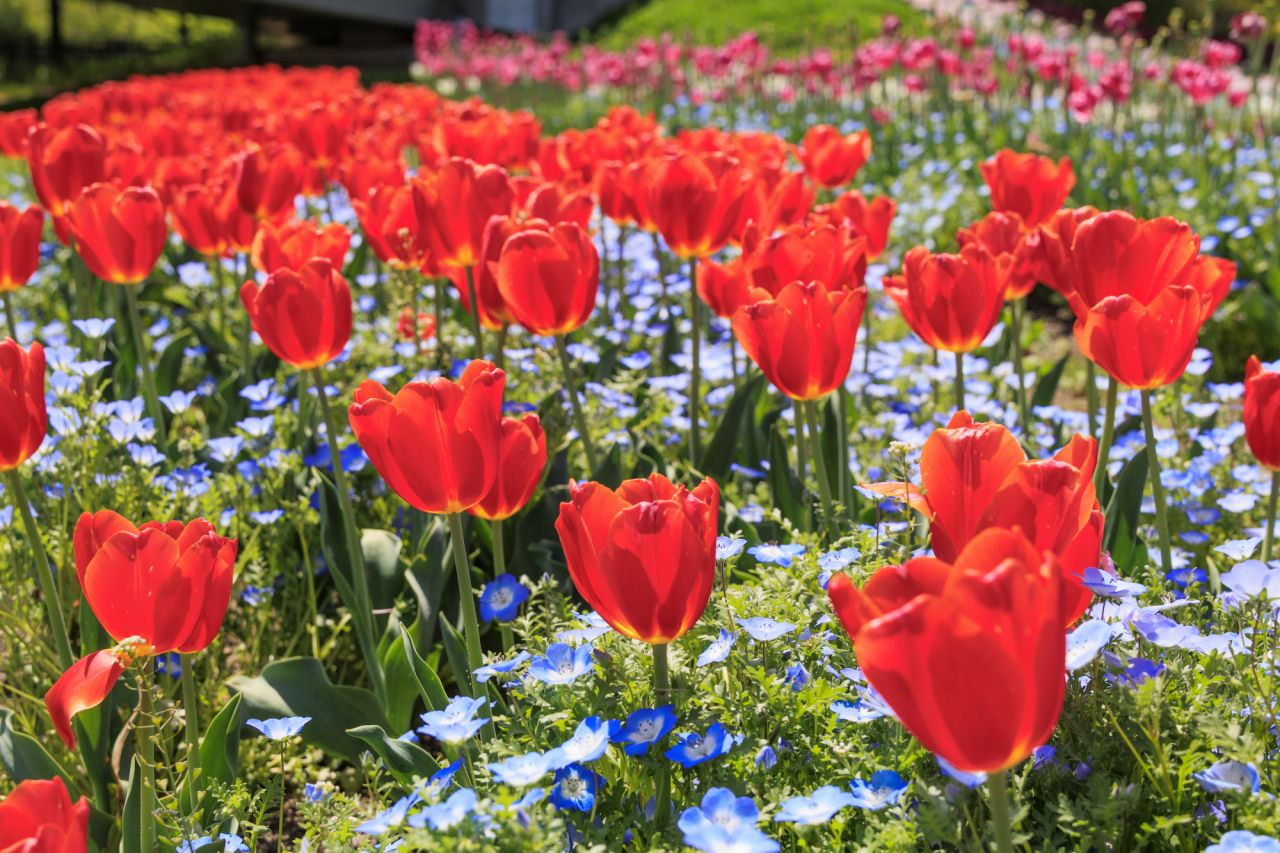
column 504, row 214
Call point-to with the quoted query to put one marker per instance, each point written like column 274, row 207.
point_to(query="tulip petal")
column 84, row 685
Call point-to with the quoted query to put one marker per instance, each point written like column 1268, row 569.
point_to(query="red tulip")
column 1051, row 244
column 1013, row 247
column 555, row 203
column 803, row 338
column 304, row 317
column 23, row 420
column 970, row 656
column 268, row 180
column 15, row 127
column 454, row 205
column 435, row 443
column 1262, row 413
column 723, row 286
column 830, row 158
column 19, row 245
column 389, row 220
column 951, row 301
column 296, row 241
column 643, row 556
column 872, row 219
column 780, row 204
column 695, row 201
column 548, row 278
column 824, row 253
column 38, row 817
column 119, row 233
column 522, row 454
column 494, row 313
column 1140, row 294
column 63, row 163
column 975, row 477
column 1029, row 185
column 194, row 212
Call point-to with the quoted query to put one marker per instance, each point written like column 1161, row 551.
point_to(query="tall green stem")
column 959, row 382
column 477, row 347
column 437, row 291
column 362, row 608
column 1108, row 436
column 191, row 726
column 1015, row 329
column 143, row 353
column 10, row 315
column 661, row 693
column 571, row 386
column 1091, row 395
column 998, row 800
column 802, row 450
column 1157, row 487
column 145, row 744
column 866, row 337
column 467, row 601
column 695, row 378
column 44, row 572
column 1269, row 542
column 500, row 568
column 819, row 461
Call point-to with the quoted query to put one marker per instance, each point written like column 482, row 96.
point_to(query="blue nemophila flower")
column 798, row 677
column 500, row 667
column 521, row 770
column 94, row 327
column 724, row 821
column 457, row 722
column 178, row 401
column 1087, row 641
column 729, row 546
column 1131, row 673
column 1044, row 756
column 501, row 598
column 1229, row 776
column 719, row 648
column 442, row 778
column 884, row 789
column 226, row 842
column 817, row 808
column 856, row 712
column 694, row 749
column 562, row 664
column 575, row 788
column 964, row 777
column 1240, row 549
column 766, row 758
column 169, row 664
column 1243, row 841
column 1253, row 579
column 315, row 793
column 389, row 818
column 448, row 814
column 644, row 728
column 595, row 628
column 778, row 555
column 589, row 742
column 1106, row 584
column 279, row 728
column 763, row 629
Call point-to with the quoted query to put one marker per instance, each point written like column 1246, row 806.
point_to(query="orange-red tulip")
column 1026, row 184
column 303, row 316
column 872, row 219
column 194, row 213
column 268, row 180
column 1141, row 293
column 15, row 127
column 975, row 477
column 23, row 419
column 826, row 253
column 830, row 158
column 695, row 201
column 119, row 233
column 725, row 287
column 555, row 202
column 783, row 203
column 643, row 556
column 1262, row 413
column 63, row 162
column 803, row 338
column 435, row 443
column 548, row 278
column 19, row 245
column 389, row 219
column 454, row 205
column 38, row 817
column 494, row 313
column 951, row 301
column 522, row 454
column 971, row 654
column 1013, row 247
column 294, row 242
column 1051, row 244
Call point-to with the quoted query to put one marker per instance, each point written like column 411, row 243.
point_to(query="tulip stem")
column 10, row 315
column 144, row 361
column 661, row 693
column 44, row 572
column 362, row 608
column 1157, row 487
column 467, row 601
column 959, row 384
column 1108, row 436
column 579, row 415
column 191, row 727
column 437, row 292
column 998, row 800
column 1269, row 542
column 695, row 377
column 145, row 745
column 477, row 348
column 866, row 340
column 1091, row 397
column 1015, row 330
column 499, row 569
column 802, row 450
column 819, row 461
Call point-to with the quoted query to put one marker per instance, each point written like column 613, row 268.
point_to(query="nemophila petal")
column 1253, row 579
column 1243, row 841
column 1087, row 640
column 727, row 547
column 595, row 628
column 501, row 598
column 1104, row 583
column 589, row 742
column 500, row 667
column 388, row 819
column 457, row 722
column 969, row 780
column 1234, row 776
column 575, row 788
column 778, row 555
column 442, row 778
column 645, row 727
column 448, row 814
column 279, row 728
column 718, row 649
column 764, row 629
column 1238, row 502
column 883, row 789
column 521, row 770
column 694, row 749
column 815, row 809
column 562, row 664
column 856, row 712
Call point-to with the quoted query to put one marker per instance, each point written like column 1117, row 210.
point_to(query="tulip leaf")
column 832, row 448
column 783, row 482
column 1047, row 385
column 22, row 756
column 406, row 761
column 424, row 676
column 131, row 817
column 609, row 470
column 381, row 549
column 333, row 533
column 1120, row 535
column 402, row 691
column 299, row 687
column 219, row 750
column 171, row 362
column 456, row 651
column 728, row 435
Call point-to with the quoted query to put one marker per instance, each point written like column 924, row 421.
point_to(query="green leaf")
column 1120, row 536
column 381, row 549
column 783, row 482
column 829, row 424
column 22, row 756
column 131, row 818
column 406, row 761
column 333, row 539
column 1047, row 385
column 428, row 682
column 727, row 439
column 609, row 471
column 456, row 651
column 402, row 691
column 299, row 687
column 219, row 749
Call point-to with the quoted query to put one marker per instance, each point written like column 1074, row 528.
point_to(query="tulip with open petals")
column 951, row 301
column 1262, row 413
column 522, row 455
column 19, row 245
column 830, row 158
column 38, row 816
column 294, row 242
column 1027, row 184
column 303, row 316
column 119, row 232
column 23, row 418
